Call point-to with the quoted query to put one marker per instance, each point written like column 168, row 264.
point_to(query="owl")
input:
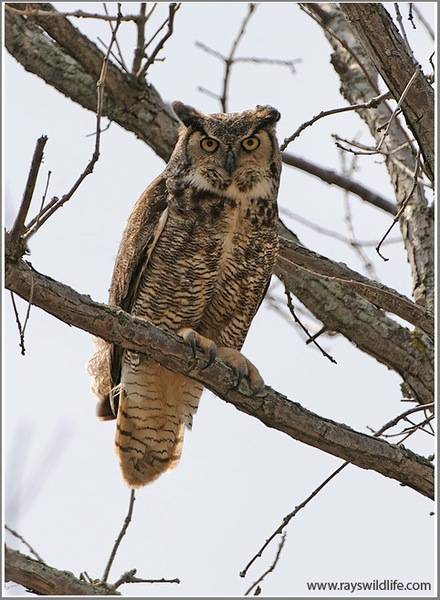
column 195, row 259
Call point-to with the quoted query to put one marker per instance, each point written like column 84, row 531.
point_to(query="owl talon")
column 212, row 355
column 193, row 345
column 242, row 368
column 200, row 342
column 241, row 372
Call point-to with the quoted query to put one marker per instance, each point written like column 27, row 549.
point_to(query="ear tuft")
column 187, row 114
column 268, row 114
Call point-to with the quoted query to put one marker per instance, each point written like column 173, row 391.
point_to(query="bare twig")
column 129, row 577
column 230, row 59
column 207, row 92
column 402, row 207
column 431, row 62
column 410, row 15
column 292, row 312
column 28, row 546
column 372, row 103
column 348, row 172
column 366, row 150
column 35, row 12
column 156, row 33
column 316, row 335
column 123, row 531
column 270, row 61
column 102, row 130
column 399, row 104
column 402, row 28
column 173, row 8
column 22, row 328
column 425, row 412
column 334, row 234
column 388, row 154
column 393, row 422
column 210, row 51
column 279, row 305
column 139, row 50
column 118, row 48
column 290, row 516
column 113, row 55
column 57, row 203
column 43, row 199
column 256, row 584
column 421, row 18
column 414, row 427
column 18, row 229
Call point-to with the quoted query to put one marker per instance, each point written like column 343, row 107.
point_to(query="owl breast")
column 211, row 265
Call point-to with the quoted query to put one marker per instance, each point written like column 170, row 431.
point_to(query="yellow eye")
column 250, row 143
column 209, row 144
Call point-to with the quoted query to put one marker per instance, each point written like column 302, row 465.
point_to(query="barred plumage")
column 196, row 258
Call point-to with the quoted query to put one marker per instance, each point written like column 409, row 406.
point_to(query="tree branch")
column 270, row 407
column 345, row 183
column 383, row 42
column 344, row 311
column 133, row 104
column 173, row 8
column 378, row 294
column 43, row 580
column 416, row 221
column 121, row 534
column 372, row 103
column 19, row 227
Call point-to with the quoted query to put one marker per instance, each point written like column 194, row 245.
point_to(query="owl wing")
column 137, row 243
column 141, row 234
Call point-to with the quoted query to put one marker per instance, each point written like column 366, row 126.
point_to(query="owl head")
column 231, row 153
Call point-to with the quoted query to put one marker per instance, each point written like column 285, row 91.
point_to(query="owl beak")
column 230, row 163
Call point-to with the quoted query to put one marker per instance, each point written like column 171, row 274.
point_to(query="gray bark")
column 386, row 48
column 44, row 580
column 367, row 327
column 416, row 221
column 270, row 407
column 73, row 64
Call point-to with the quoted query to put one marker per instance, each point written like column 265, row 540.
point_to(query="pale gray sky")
column 237, row 478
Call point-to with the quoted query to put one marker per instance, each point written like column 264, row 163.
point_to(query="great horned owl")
column 196, row 258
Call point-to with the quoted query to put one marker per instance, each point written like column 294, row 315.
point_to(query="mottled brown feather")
column 197, row 255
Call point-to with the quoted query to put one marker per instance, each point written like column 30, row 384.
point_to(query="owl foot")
column 242, row 367
column 197, row 341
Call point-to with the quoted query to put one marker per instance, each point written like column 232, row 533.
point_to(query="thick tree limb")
column 43, row 580
column 378, row 294
column 333, row 178
column 73, row 66
column 341, row 309
column 270, row 407
column 416, row 221
column 386, row 48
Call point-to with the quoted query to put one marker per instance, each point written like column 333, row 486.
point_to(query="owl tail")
column 155, row 405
